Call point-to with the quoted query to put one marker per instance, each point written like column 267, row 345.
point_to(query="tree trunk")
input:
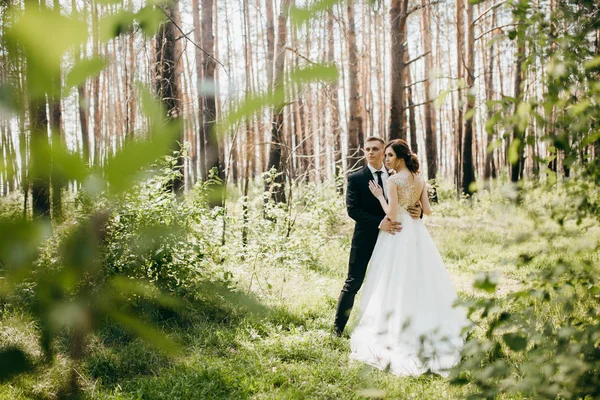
column 428, row 110
column 516, row 169
column 199, row 153
column 168, row 54
column 83, row 106
column 380, row 78
column 355, row 123
column 490, row 165
column 57, row 138
column 412, row 118
column 39, row 165
column 270, row 41
column 98, row 143
column 275, row 152
column 131, row 84
column 597, row 142
column 334, row 107
column 210, row 109
column 398, row 15
column 468, row 177
column 459, row 116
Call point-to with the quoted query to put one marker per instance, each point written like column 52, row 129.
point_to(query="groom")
column 364, row 208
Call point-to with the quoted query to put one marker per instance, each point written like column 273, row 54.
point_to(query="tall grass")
column 257, row 319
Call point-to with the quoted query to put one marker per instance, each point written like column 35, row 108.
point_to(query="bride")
column 407, row 320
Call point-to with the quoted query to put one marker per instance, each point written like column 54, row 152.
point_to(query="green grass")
column 266, row 336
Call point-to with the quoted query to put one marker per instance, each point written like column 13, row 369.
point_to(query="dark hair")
column 375, row 138
column 400, row 147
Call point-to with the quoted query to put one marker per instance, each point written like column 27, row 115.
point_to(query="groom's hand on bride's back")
column 415, row 211
column 390, row 226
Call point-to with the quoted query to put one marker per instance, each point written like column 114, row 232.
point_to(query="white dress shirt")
column 384, row 176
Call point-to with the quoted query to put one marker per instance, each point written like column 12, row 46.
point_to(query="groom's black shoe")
column 337, row 332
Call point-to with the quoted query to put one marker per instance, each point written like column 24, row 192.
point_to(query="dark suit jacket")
column 364, row 208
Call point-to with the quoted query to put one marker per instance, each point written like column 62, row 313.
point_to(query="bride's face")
column 390, row 158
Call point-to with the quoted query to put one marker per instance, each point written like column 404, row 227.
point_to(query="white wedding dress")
column 407, row 320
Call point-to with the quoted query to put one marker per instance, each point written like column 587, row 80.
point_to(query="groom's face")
column 374, row 152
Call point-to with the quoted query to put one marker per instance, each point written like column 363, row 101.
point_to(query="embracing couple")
column 407, row 322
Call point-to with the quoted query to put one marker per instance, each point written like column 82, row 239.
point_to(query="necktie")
column 380, row 180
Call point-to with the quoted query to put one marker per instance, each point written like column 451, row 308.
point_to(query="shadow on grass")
column 207, row 327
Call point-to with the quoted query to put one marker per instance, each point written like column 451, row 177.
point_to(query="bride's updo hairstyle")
column 401, row 149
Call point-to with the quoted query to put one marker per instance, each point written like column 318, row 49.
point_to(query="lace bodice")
column 409, row 187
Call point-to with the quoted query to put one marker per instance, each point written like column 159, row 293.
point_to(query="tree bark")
column 83, row 106
column 334, row 107
column 131, row 84
column 199, row 153
column 468, row 176
column 355, row 122
column 275, row 152
column 428, row 110
column 39, row 165
column 168, row 53
column 98, row 142
column 57, row 137
column 516, row 169
column 210, row 110
column 270, row 41
column 597, row 142
column 490, row 165
column 412, row 118
column 398, row 15
column 459, row 115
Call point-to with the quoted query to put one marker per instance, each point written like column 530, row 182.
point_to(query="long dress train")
column 407, row 320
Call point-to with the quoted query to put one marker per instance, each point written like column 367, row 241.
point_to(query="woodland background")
column 172, row 181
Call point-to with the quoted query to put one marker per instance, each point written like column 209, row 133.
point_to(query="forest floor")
column 267, row 334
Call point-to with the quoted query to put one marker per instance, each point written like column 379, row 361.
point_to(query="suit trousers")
column 357, row 268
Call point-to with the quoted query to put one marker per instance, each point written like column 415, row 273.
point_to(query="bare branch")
column 493, row 29
column 488, row 10
column 416, row 83
column 417, row 58
column 420, row 104
column 296, row 52
column 192, row 42
column 419, row 7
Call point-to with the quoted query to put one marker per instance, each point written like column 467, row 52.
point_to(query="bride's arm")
column 391, row 209
column 425, row 201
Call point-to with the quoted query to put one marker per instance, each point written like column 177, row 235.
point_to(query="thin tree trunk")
column 381, row 126
column 250, row 87
column 468, row 177
column 168, row 54
column 368, row 117
column 334, row 107
column 199, row 155
column 275, row 152
column 459, row 116
column 412, row 119
column 490, row 165
column 428, row 110
column 516, row 169
column 355, row 123
column 213, row 160
column 57, row 137
column 40, row 148
column 131, row 84
column 597, row 142
column 270, row 41
column 83, row 108
column 398, row 15
column 98, row 143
